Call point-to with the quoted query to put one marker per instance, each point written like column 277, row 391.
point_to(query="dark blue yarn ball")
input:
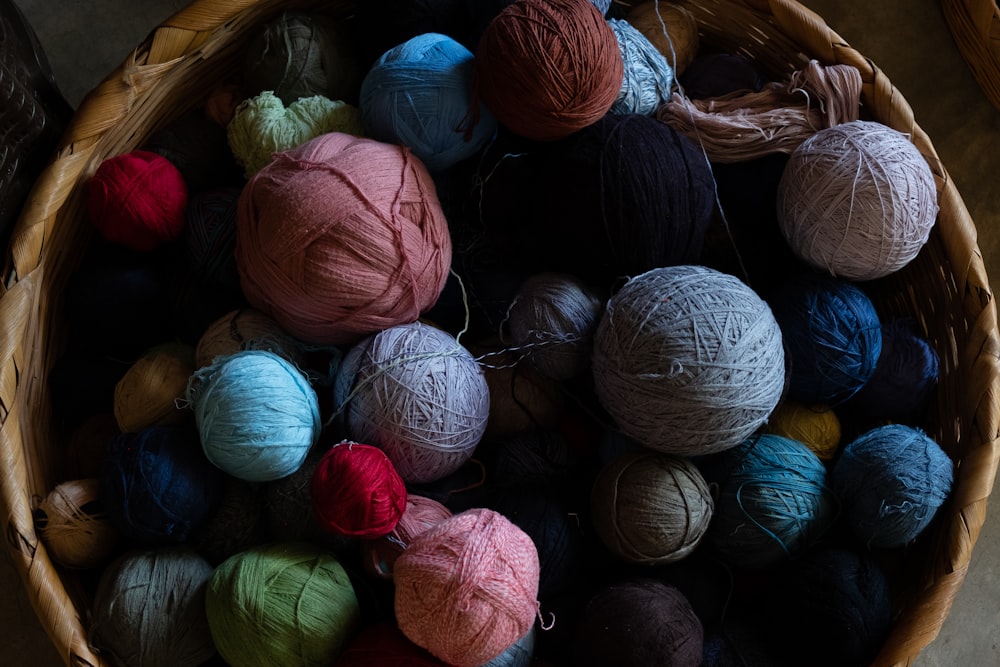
column 832, row 335
column 891, row 482
column 157, row 486
column 210, row 235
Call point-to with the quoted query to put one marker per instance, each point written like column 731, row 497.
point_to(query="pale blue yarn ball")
column 648, row 76
column 602, row 5
column 419, row 94
column 519, row 654
column 256, row 413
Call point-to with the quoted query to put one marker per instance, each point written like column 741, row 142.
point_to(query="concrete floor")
column 907, row 39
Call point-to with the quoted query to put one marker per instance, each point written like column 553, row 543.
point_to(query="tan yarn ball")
column 149, row 392
column 672, row 29
column 857, row 200
column 817, row 427
column 651, row 508
column 73, row 526
column 245, row 329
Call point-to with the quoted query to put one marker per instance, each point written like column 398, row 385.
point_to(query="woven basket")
column 945, row 289
column 975, row 25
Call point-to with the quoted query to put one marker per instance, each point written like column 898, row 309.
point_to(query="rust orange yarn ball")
column 547, row 68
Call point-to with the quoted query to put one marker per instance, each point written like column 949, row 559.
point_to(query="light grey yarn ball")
column 688, row 360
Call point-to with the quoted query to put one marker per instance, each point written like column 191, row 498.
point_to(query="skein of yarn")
column 286, row 603
column 257, row 415
column 693, row 378
column 73, row 525
column 651, row 508
column 419, row 94
column 547, row 68
column 415, row 392
column 149, row 391
column 342, row 237
column 149, row 609
column 648, row 76
column 137, row 200
column 466, row 589
column 857, row 200
column 356, row 491
column 891, row 481
column 245, row 329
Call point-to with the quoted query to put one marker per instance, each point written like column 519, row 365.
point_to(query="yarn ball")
column 264, row 125
column 420, row 513
column 718, row 74
column 236, row 525
column 210, row 235
column 385, row 645
column 415, row 392
column 149, row 391
column 688, row 360
column 547, row 68
column 221, row 102
column 419, row 94
column 197, row 147
column 891, row 482
column 738, row 643
column 833, row 337
column 857, row 200
column 833, row 604
column 285, row 603
column 671, row 28
column 540, row 458
column 772, row 502
column 520, row 654
column 137, row 200
column 651, row 508
column 342, row 237
column 149, row 609
column 73, row 525
column 245, row 329
column 521, row 397
column 638, row 623
column 905, row 375
column 356, row 491
column 648, row 76
column 466, row 589
column 625, row 195
column 299, row 54
column 553, row 318
column 157, row 486
column 257, row 415
column 815, row 426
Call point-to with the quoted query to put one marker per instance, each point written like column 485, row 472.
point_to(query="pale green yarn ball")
column 263, row 126
column 289, row 604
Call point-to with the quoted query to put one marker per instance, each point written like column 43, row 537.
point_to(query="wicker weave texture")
column 946, row 289
column 975, row 25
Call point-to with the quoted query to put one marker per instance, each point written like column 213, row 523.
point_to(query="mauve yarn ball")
column 342, row 237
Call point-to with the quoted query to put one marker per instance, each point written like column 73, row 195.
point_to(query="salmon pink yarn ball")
column 342, row 237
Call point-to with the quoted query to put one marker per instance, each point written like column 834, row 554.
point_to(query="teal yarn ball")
column 833, row 337
column 891, row 482
column 419, row 93
column 289, row 604
column 149, row 609
column 773, row 501
column 256, row 413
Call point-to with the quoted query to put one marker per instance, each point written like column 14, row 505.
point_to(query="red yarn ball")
column 138, row 200
column 547, row 68
column 356, row 490
column 384, row 645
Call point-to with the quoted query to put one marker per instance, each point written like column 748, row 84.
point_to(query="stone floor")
column 907, row 39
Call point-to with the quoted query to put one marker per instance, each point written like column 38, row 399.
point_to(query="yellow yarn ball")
column 149, row 391
column 817, row 427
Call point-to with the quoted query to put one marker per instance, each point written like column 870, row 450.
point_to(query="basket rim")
column 191, row 34
column 975, row 26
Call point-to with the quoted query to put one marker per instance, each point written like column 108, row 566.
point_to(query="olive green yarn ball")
column 289, row 604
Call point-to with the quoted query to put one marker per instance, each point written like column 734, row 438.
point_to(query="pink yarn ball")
column 341, row 237
column 467, row 589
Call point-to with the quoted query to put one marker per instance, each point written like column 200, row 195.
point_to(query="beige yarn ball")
column 73, row 526
column 857, row 200
column 245, row 329
column 149, row 392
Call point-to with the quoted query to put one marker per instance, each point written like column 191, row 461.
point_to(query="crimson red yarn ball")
column 356, row 491
column 385, row 645
column 138, row 200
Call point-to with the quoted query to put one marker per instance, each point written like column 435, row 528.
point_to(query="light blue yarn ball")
column 256, row 413
column 648, row 76
column 419, row 93
column 602, row 5
column 891, row 482
column 518, row 655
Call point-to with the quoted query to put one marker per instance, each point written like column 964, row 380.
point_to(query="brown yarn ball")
column 650, row 507
column 73, row 526
column 245, row 329
column 221, row 103
column 547, row 68
column 679, row 44
column 147, row 394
